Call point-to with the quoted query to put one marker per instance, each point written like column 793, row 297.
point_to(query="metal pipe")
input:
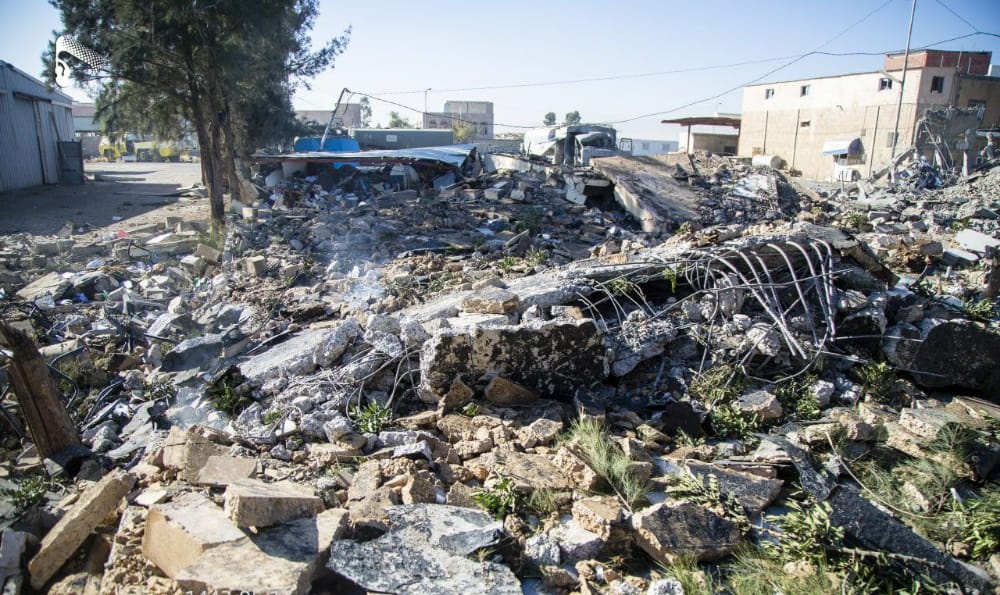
column 902, row 83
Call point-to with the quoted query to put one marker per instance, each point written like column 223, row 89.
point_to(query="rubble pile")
column 551, row 380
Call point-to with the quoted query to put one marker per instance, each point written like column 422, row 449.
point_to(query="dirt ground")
column 136, row 194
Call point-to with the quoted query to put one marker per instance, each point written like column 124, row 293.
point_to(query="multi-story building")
column 830, row 126
column 478, row 114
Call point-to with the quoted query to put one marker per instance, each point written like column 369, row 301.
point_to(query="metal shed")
column 33, row 121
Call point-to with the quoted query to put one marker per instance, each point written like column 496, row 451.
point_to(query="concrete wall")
column 722, row 144
column 641, row 146
column 967, row 62
column 32, row 121
column 794, row 126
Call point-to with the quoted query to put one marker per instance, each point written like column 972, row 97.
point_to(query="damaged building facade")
column 843, row 126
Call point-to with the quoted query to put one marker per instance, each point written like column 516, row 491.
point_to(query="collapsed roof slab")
column 647, row 189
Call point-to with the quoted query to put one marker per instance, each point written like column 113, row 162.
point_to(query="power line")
column 795, row 59
column 958, row 16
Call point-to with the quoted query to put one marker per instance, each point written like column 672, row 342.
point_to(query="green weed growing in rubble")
column 27, row 493
column 980, row 524
column 855, row 219
column 982, row 310
column 506, row 264
column 470, row 410
column 719, row 384
column 670, row 276
column 693, row 580
column 596, row 448
column 501, row 499
column 619, row 286
column 797, row 396
column 729, row 422
column 371, row 418
column 536, row 257
column 876, row 379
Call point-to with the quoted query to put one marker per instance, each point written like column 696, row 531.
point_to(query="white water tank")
column 772, row 161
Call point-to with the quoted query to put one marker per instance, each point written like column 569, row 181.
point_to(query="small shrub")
column 536, row 257
column 855, row 219
column 470, row 410
column 272, row 416
column 694, row 580
column 980, row 527
column 619, row 286
column 719, row 384
column 728, row 422
column 797, row 397
column 28, row 493
column 229, row 397
column 371, row 418
column 506, row 264
column 530, row 219
column 543, row 502
column 983, row 310
column 670, row 276
column 501, row 499
column 607, row 460
column 876, row 379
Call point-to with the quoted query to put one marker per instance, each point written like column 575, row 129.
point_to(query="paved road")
column 122, row 196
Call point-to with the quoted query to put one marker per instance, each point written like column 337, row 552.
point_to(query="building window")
column 805, row 124
column 803, row 90
column 884, row 84
column 890, row 138
column 768, row 93
column 937, row 84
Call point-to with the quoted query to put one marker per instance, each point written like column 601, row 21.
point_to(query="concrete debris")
column 426, row 551
column 93, row 506
column 340, row 393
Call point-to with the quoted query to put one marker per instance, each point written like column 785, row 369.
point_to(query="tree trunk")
column 215, row 192
column 49, row 423
column 231, row 170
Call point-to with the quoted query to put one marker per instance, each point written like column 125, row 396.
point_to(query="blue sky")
column 449, row 45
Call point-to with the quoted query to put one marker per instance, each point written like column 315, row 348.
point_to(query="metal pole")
column 902, row 83
column 425, row 101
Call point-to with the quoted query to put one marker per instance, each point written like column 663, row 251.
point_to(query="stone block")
column 93, row 506
column 669, row 530
column 179, row 532
column 208, row 253
column 278, row 560
column 502, row 391
column 256, row 265
column 188, row 452
column 253, row 503
column 222, row 470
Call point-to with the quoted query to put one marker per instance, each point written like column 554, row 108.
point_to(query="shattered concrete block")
column 93, row 506
column 669, row 530
column 928, row 423
column 208, row 254
column 753, row 492
column 761, row 404
column 491, row 301
column 253, row 503
column 530, row 471
column 598, row 514
column 188, row 452
column 418, row 490
column 502, row 391
column 949, row 353
column 222, row 470
column 179, row 532
column 555, row 358
column 256, row 265
column 283, row 559
column 575, row 542
column 302, row 353
column 51, row 284
column 427, row 550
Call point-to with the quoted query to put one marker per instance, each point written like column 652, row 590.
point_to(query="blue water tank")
column 333, row 144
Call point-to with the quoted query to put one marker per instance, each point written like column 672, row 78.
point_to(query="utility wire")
column 958, row 16
column 795, row 59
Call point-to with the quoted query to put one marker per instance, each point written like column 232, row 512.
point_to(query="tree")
column 572, row 118
column 550, row 119
column 397, row 121
column 464, row 131
column 227, row 67
column 366, row 112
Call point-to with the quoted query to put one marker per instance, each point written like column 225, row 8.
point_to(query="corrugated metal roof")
column 33, row 119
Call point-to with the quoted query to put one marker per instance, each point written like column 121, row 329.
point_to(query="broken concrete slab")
column 555, row 358
column 93, row 506
column 426, row 552
column 188, row 452
column 753, row 492
column 179, row 532
column 646, row 188
column 670, row 530
column 530, row 471
column 953, row 353
column 302, row 353
column 52, row 284
column 282, row 559
column 222, row 470
column 253, row 503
